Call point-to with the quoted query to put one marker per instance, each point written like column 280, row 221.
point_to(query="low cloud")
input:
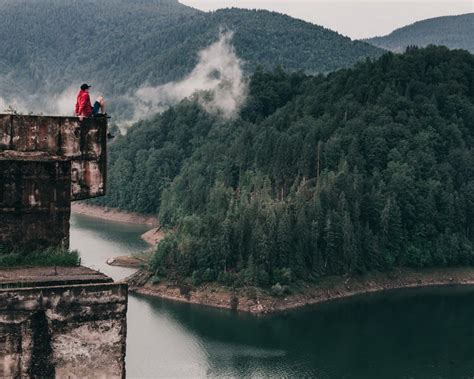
column 217, row 82
column 61, row 104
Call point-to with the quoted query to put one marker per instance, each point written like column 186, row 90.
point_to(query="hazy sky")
column 356, row 19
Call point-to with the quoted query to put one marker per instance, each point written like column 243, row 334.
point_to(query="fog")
column 217, row 82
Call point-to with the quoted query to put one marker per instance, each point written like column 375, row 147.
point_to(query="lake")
column 416, row 333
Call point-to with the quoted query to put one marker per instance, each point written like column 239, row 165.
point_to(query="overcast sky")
column 356, row 19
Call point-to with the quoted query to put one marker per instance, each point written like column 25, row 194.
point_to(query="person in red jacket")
column 83, row 103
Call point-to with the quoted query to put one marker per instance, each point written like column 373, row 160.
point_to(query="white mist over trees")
column 120, row 46
column 217, row 82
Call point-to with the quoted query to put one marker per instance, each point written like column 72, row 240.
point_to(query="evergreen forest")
column 50, row 46
column 366, row 168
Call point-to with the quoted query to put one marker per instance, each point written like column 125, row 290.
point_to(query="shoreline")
column 261, row 302
column 152, row 237
column 113, row 214
column 258, row 301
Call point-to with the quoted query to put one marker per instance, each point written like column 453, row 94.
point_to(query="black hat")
column 85, row 86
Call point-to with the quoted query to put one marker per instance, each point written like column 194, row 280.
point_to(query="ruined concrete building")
column 45, row 163
column 68, row 322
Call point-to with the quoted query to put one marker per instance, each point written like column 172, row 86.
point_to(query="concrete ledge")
column 84, row 143
column 68, row 330
column 21, row 277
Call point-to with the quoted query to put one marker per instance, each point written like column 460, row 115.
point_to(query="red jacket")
column 83, row 104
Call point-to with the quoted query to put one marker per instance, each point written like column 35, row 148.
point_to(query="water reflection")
column 159, row 345
column 414, row 333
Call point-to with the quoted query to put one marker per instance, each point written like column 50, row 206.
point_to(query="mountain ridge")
column 119, row 45
column 454, row 32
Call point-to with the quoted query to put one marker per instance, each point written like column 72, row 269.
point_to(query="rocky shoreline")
column 153, row 236
column 257, row 301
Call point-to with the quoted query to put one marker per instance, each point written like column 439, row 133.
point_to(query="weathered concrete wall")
column 59, row 328
column 35, row 202
column 72, row 331
column 84, row 143
column 45, row 163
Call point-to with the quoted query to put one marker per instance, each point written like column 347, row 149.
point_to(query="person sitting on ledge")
column 83, row 103
column 98, row 109
column 84, row 108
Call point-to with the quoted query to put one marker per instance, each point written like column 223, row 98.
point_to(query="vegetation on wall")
column 39, row 257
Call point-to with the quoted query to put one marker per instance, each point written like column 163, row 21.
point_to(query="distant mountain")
column 119, row 45
column 271, row 39
column 455, row 32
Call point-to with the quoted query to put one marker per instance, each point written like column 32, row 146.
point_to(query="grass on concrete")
column 39, row 258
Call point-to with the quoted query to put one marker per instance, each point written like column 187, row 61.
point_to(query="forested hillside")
column 455, row 32
column 364, row 169
column 120, row 45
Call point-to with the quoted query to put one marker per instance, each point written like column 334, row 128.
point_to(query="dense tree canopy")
column 363, row 169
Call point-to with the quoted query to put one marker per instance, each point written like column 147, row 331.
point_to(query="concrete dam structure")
column 54, row 322
column 45, row 163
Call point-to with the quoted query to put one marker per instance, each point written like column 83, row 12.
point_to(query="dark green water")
column 421, row 333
